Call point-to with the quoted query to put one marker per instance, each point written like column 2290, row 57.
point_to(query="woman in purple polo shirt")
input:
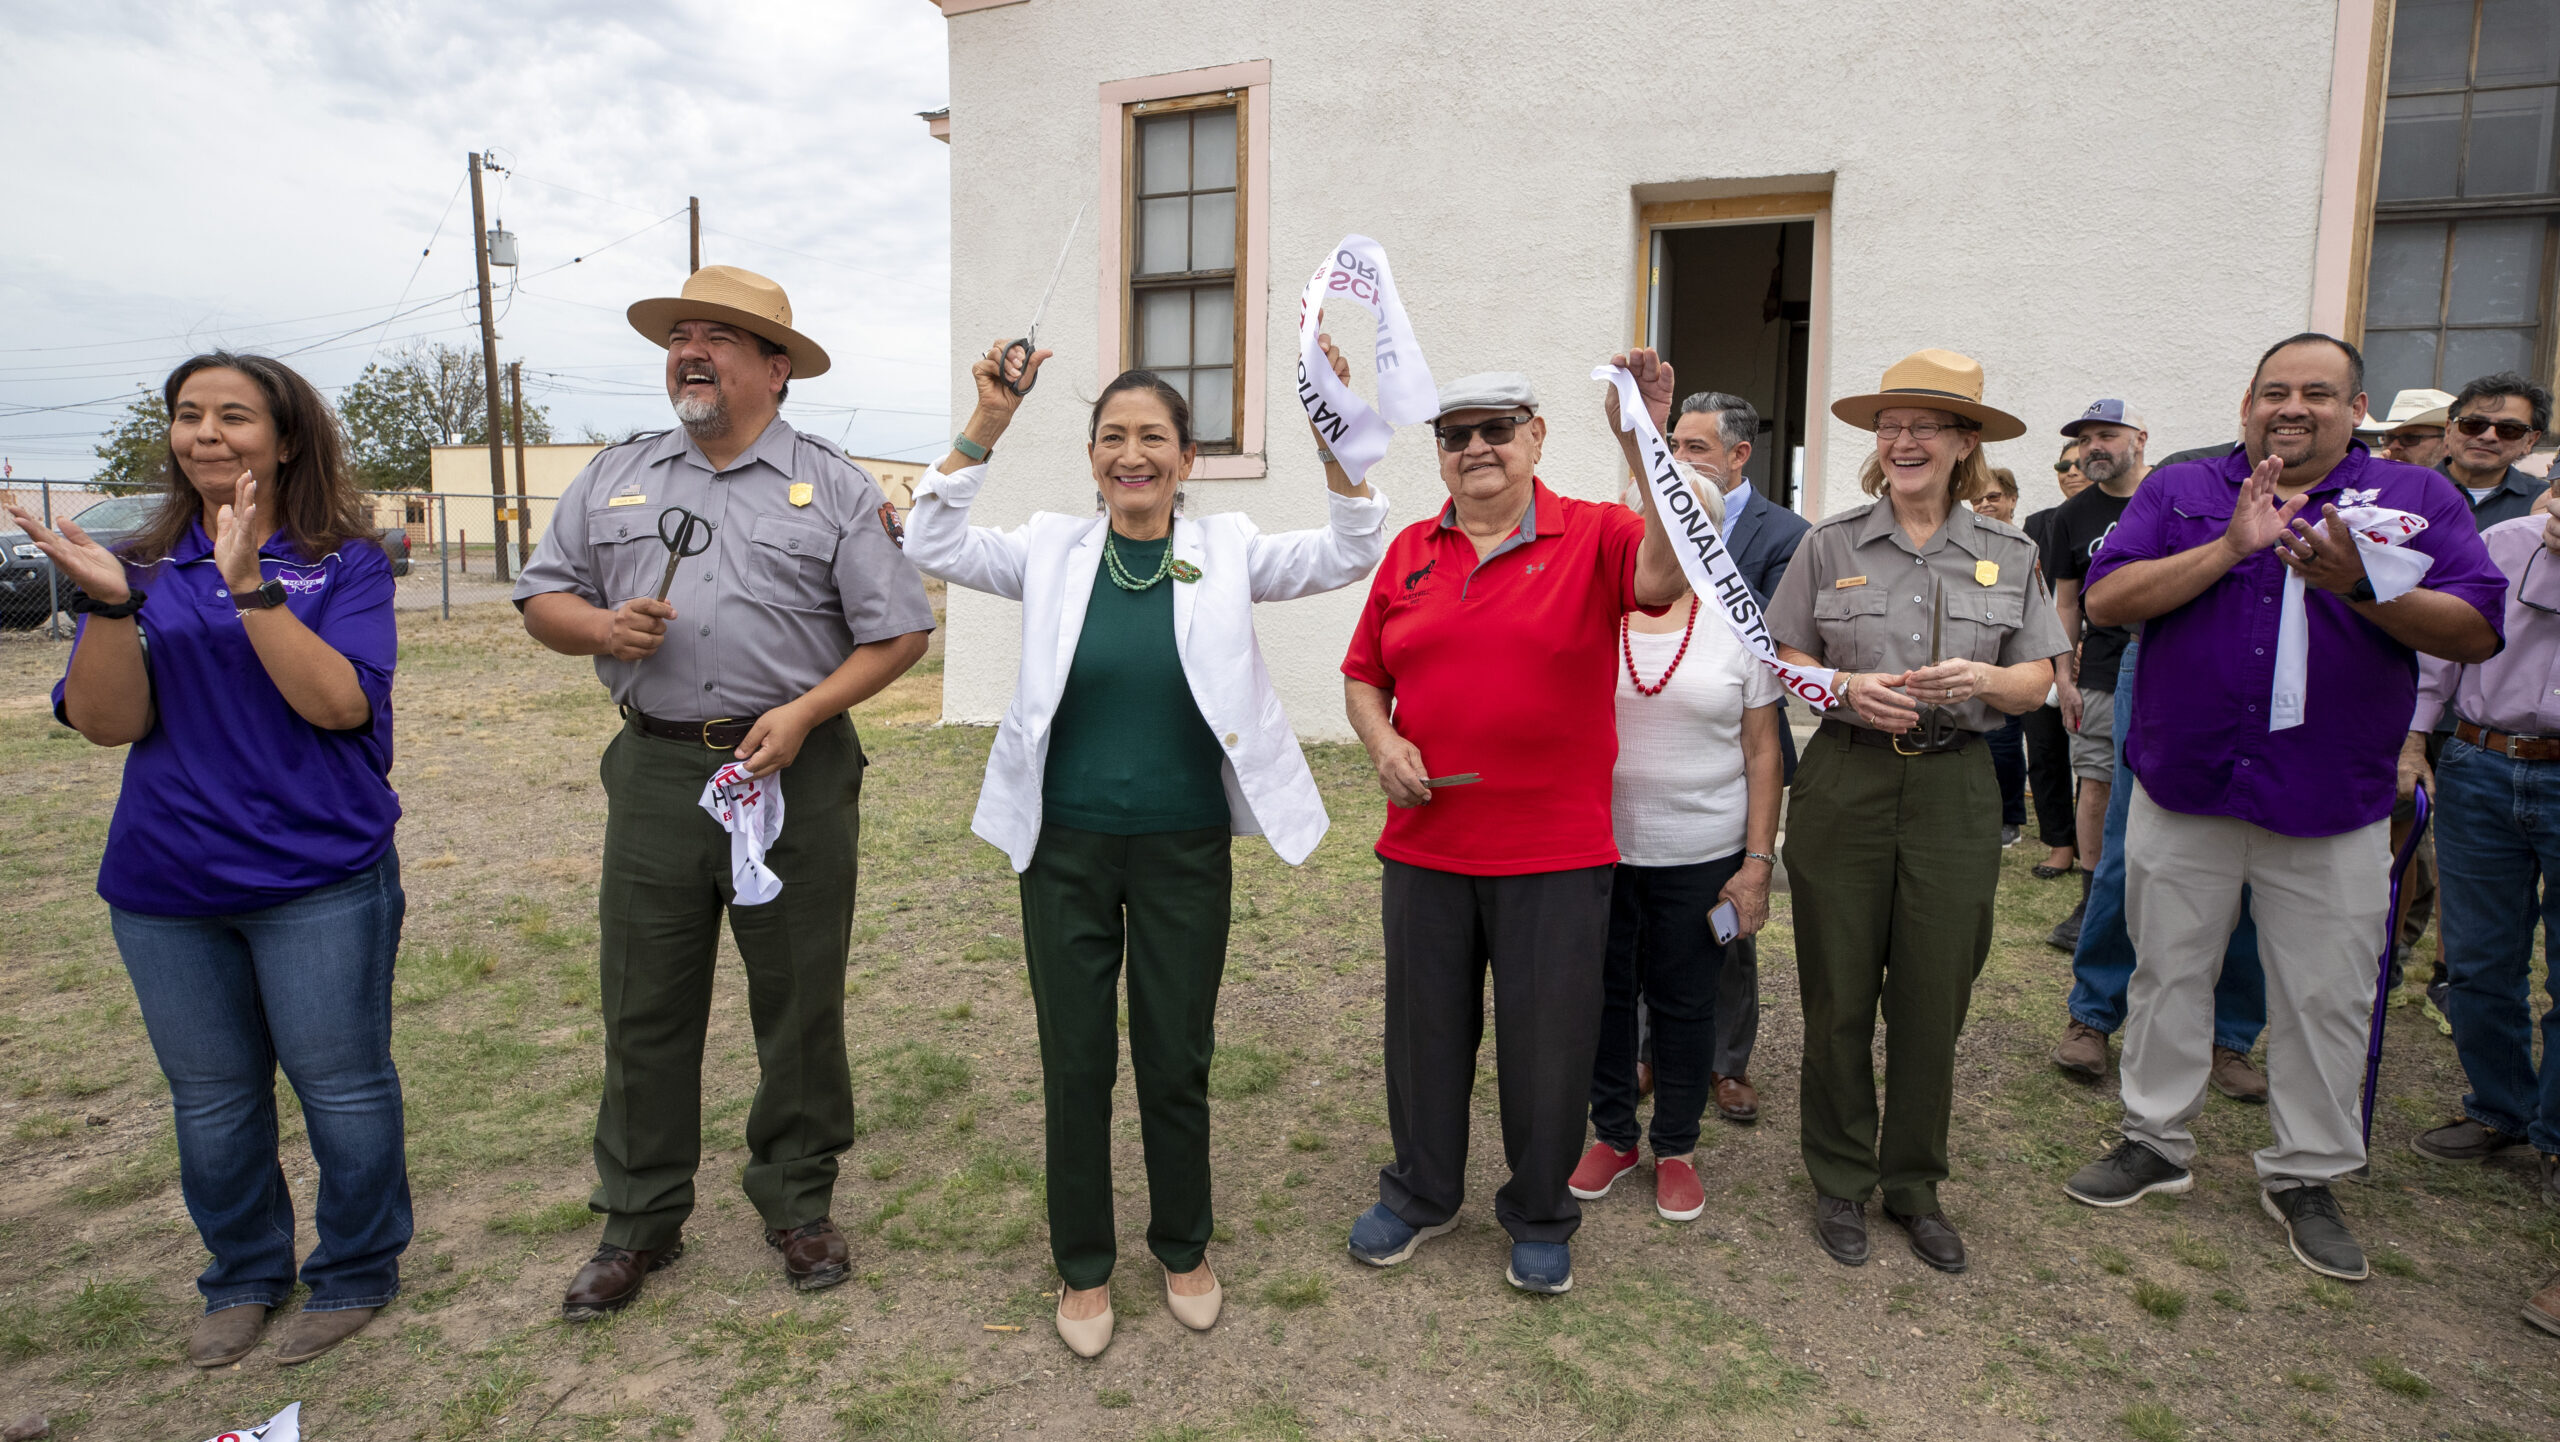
column 242, row 645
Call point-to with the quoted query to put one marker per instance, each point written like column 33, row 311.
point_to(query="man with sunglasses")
column 2497, row 421
column 2413, row 433
column 1492, row 631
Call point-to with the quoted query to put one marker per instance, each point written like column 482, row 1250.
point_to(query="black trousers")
column 2009, row 763
column 1543, row 935
column 2049, row 777
column 1660, row 944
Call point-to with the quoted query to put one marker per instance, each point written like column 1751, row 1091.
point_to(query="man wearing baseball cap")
column 747, row 643
column 2413, row 431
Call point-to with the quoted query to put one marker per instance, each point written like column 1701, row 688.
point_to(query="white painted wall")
column 2089, row 200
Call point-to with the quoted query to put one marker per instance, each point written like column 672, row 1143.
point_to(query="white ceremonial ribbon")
column 749, row 808
column 285, row 1426
column 1357, row 435
column 2382, row 538
column 1704, row 558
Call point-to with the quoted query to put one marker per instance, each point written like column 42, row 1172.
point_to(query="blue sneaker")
column 1541, row 1266
column 1381, row 1238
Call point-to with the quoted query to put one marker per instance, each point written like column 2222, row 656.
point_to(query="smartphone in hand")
column 1726, row 922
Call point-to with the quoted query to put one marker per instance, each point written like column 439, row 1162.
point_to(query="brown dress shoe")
column 311, row 1333
column 2236, row 1079
column 1933, row 1239
column 224, row 1337
column 2083, row 1052
column 814, row 1256
column 2543, row 1309
column 1841, row 1227
column 1735, row 1100
column 611, row 1279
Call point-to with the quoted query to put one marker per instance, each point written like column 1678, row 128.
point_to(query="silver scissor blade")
column 1058, row 270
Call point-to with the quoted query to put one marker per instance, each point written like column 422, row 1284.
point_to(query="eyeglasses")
column 2528, row 576
column 1919, row 430
column 2064, row 468
column 2508, row 431
column 2408, row 440
column 1496, row 432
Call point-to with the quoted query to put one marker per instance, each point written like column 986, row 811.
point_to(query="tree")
column 431, row 395
column 136, row 451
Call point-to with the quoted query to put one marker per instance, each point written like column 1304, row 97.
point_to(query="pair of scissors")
column 691, row 537
column 1012, row 369
column 1936, row 726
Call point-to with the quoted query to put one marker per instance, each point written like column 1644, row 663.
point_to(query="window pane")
column 1181, row 382
column 2407, row 279
column 1164, row 328
column 2430, row 44
column 2519, row 42
column 2497, row 272
column 1164, row 155
column 2421, row 135
column 1163, row 235
column 1213, row 325
column 1213, row 405
column 2398, row 360
column 2510, row 142
column 1213, row 149
column 2471, row 354
column 1213, row 231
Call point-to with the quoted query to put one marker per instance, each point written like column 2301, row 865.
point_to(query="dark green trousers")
column 666, row 884
column 1161, row 900
column 1892, row 861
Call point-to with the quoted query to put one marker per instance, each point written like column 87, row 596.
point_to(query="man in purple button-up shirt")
column 2301, row 815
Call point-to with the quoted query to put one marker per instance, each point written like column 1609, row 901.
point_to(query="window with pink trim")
column 1185, row 243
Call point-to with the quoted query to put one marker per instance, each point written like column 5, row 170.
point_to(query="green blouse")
column 1129, row 754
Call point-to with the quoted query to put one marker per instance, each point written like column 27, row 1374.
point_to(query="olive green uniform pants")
column 1892, row 862
column 665, row 886
column 1088, row 899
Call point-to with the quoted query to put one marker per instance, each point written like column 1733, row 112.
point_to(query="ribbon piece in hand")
column 749, row 808
column 1357, row 435
column 2382, row 536
column 1704, row 559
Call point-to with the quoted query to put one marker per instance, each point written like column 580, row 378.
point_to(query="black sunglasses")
column 2508, row 431
column 2064, row 468
column 1496, row 432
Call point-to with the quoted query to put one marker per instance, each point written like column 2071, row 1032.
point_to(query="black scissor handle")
column 692, row 534
column 1007, row 368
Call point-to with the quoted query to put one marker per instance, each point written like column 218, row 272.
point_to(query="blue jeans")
column 2497, row 829
column 2102, row 968
column 307, row 984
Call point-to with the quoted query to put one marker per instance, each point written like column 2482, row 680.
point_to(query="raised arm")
column 940, row 540
column 106, row 693
column 1659, row 579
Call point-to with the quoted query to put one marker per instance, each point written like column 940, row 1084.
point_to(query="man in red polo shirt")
column 1487, row 650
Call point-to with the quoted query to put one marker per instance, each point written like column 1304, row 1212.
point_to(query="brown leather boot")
column 2083, row 1052
column 2236, row 1079
column 1735, row 1099
column 611, row 1279
column 311, row 1333
column 224, row 1337
column 2543, row 1310
column 814, row 1255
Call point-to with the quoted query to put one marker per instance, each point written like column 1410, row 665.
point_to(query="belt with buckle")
column 2514, row 748
column 721, row 733
column 1900, row 745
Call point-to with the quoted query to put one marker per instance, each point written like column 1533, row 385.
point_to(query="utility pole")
column 693, row 203
column 524, row 513
column 489, row 365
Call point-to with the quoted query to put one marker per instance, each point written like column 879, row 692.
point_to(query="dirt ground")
column 2185, row 1317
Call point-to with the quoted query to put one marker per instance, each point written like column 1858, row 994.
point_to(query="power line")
column 423, row 252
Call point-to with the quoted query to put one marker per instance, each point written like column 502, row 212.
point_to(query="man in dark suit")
column 1715, row 433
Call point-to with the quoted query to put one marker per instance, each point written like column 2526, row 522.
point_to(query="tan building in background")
column 461, row 474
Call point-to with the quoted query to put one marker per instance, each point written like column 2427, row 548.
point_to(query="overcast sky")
column 264, row 176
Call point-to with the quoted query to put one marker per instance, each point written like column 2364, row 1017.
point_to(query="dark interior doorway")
column 1731, row 308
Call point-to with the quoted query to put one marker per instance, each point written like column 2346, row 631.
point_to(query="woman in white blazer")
column 1143, row 733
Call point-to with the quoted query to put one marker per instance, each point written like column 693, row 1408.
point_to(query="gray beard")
column 2101, row 471
column 704, row 418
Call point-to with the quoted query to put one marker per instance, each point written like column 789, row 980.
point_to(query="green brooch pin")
column 1185, row 571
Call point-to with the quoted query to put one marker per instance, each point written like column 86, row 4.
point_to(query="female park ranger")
column 1939, row 624
column 1143, row 732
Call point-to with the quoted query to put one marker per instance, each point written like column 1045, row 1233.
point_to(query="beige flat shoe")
column 1085, row 1338
column 1199, row 1313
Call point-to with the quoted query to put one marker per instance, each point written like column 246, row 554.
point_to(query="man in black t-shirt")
column 2111, row 440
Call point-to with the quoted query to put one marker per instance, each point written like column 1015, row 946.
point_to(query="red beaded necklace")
column 1628, row 649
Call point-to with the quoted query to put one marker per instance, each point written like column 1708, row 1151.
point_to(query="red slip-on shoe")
column 1600, row 1169
column 1677, row 1197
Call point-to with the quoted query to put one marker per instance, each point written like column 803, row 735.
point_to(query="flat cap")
column 1488, row 391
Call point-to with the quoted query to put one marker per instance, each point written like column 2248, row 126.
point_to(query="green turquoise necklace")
column 1126, row 581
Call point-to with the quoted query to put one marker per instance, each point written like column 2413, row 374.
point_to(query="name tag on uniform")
column 1987, row 572
column 628, row 501
column 1845, row 582
column 800, row 493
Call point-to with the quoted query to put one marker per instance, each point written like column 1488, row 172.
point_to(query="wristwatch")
column 2362, row 590
column 82, row 603
column 265, row 596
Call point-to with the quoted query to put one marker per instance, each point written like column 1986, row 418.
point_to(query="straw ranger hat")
column 1940, row 380
column 735, row 297
column 2410, row 408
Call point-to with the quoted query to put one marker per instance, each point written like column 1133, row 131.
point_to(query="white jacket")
column 1048, row 565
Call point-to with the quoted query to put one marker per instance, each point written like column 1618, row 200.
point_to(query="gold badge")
column 628, row 501
column 800, row 493
column 1987, row 572
column 1845, row 582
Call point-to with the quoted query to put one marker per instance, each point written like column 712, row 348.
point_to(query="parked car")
column 24, row 597
column 24, row 592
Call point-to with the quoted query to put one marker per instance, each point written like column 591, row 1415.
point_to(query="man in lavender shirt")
column 2300, row 816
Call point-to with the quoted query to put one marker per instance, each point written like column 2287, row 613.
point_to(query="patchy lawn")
column 2184, row 1318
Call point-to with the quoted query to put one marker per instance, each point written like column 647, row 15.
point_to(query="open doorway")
column 1731, row 307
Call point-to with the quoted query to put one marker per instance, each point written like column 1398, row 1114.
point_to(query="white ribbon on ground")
column 285, row 1426
column 1701, row 549
column 1357, row 436
column 749, row 808
column 2382, row 538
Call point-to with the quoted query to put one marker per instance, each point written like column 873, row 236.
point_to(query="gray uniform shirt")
column 1857, row 599
column 801, row 570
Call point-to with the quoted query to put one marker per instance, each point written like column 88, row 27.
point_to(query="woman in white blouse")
column 1143, row 732
column 1694, row 802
